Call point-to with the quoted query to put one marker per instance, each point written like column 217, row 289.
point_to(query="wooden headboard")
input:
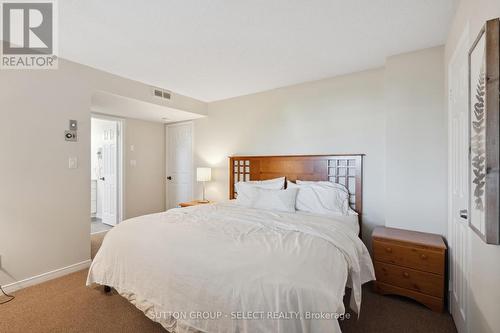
column 343, row 169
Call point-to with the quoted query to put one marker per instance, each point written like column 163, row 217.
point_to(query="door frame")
column 167, row 146
column 461, row 46
column 120, row 188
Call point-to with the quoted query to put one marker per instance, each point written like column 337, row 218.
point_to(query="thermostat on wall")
column 70, row 136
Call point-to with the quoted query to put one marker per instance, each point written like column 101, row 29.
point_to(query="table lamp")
column 203, row 175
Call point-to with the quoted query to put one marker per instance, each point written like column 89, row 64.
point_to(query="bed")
column 228, row 268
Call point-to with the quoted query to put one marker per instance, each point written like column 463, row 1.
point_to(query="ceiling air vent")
column 160, row 93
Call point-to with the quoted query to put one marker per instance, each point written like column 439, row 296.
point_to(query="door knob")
column 169, row 178
column 102, row 178
column 464, row 214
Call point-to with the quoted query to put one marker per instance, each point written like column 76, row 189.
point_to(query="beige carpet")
column 394, row 314
column 66, row 305
column 95, row 243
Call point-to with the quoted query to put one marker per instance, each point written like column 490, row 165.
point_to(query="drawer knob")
column 388, row 250
column 405, row 274
column 423, row 256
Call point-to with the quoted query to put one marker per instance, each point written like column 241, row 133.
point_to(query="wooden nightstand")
column 410, row 264
column 194, row 203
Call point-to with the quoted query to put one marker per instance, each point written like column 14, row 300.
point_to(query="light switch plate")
column 133, row 163
column 73, row 163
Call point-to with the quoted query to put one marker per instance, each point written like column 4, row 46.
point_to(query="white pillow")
column 322, row 198
column 274, row 184
column 324, row 183
column 243, row 189
column 278, row 200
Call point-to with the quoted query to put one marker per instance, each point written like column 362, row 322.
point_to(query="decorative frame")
column 484, row 133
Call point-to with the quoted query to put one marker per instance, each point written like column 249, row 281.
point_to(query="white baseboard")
column 31, row 281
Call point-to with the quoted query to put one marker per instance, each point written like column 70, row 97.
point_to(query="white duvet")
column 224, row 268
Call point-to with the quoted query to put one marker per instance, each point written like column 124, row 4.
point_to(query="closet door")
column 458, row 230
column 179, row 163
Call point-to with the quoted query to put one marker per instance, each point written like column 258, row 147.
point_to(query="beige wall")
column 44, row 206
column 484, row 270
column 416, row 136
column 144, row 182
column 334, row 116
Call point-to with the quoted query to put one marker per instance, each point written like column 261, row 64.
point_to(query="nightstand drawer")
column 426, row 283
column 412, row 257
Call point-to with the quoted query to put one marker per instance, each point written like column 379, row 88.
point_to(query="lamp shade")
column 203, row 174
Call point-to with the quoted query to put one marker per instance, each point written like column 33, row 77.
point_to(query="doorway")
column 106, row 173
column 179, row 163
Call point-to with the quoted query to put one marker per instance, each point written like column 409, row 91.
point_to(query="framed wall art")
column 484, row 133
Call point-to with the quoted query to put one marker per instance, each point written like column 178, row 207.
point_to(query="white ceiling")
column 216, row 49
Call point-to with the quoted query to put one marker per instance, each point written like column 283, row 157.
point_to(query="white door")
column 458, row 231
column 110, row 175
column 179, row 164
